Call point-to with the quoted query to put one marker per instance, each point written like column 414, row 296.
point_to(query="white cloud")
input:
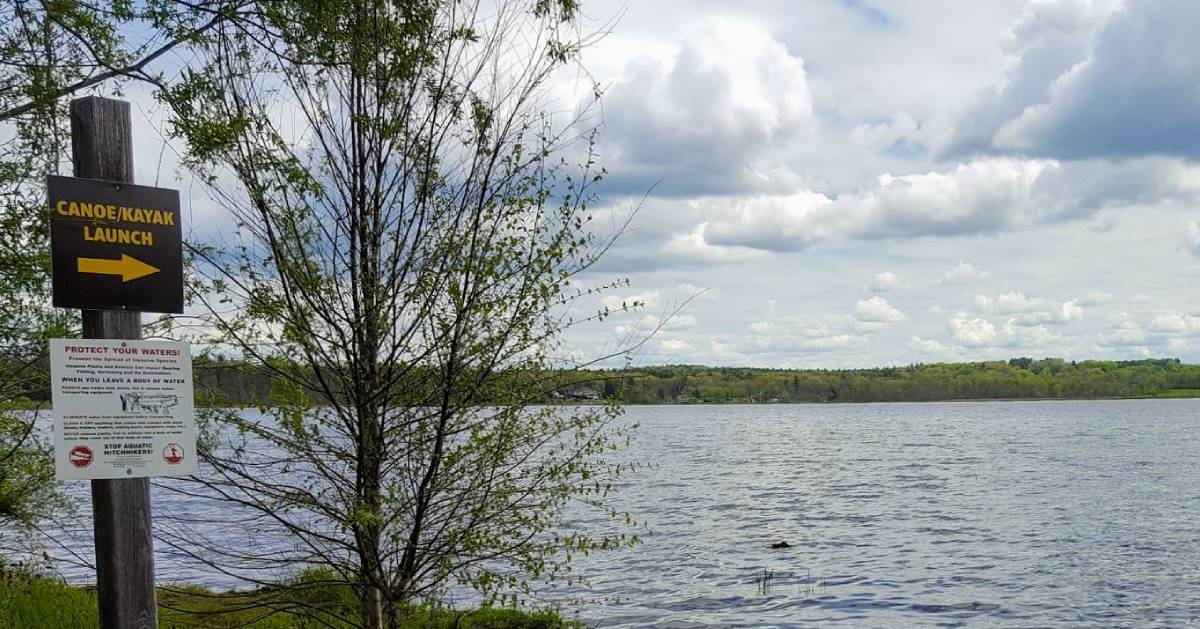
column 1176, row 323
column 839, row 341
column 1179, row 345
column 1127, row 333
column 978, row 197
column 963, row 272
column 1078, row 66
column 986, row 196
column 693, row 248
column 884, row 282
column 772, row 222
column 979, row 332
column 1070, row 311
column 808, row 326
column 930, row 347
column 1064, row 313
column 1137, row 83
column 1008, row 303
column 707, row 116
column 1037, row 337
column 1140, row 298
column 1191, row 238
column 894, row 136
column 1046, row 40
column 877, row 310
column 803, row 334
column 673, row 346
column 975, row 331
column 1029, row 311
column 1095, row 297
column 788, row 339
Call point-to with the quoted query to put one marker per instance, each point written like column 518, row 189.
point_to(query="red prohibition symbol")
column 173, row 453
column 81, row 456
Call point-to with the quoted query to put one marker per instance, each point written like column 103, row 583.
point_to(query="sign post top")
column 115, row 246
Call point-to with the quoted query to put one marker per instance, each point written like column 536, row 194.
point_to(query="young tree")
column 407, row 233
column 27, row 491
column 48, row 52
column 35, row 61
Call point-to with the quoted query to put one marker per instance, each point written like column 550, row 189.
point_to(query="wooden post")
column 102, row 148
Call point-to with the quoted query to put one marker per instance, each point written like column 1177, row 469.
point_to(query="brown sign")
column 115, row 246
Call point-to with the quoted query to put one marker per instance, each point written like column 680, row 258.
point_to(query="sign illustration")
column 147, row 403
column 81, row 456
column 124, row 408
column 115, row 246
column 173, row 454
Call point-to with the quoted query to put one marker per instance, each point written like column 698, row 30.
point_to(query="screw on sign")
column 173, row 453
column 81, row 456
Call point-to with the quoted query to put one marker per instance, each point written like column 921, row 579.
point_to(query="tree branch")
column 131, row 70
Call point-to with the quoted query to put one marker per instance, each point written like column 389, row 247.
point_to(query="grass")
column 40, row 603
column 764, row 583
column 1175, row 393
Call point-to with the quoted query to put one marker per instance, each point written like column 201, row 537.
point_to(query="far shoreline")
column 33, row 408
column 859, row 402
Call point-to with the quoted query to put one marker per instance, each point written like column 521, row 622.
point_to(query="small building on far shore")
column 576, row 394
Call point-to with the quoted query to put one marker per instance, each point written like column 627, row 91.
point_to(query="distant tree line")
column 221, row 382
column 1019, row 378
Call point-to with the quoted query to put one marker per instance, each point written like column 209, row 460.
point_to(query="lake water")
column 973, row 514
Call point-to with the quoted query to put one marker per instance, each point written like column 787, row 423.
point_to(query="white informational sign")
column 124, row 408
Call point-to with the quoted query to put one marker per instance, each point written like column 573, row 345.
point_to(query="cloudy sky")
column 843, row 183
column 880, row 182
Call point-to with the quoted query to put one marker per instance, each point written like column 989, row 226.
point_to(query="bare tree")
column 408, row 234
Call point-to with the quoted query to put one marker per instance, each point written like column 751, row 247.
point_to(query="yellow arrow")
column 129, row 268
